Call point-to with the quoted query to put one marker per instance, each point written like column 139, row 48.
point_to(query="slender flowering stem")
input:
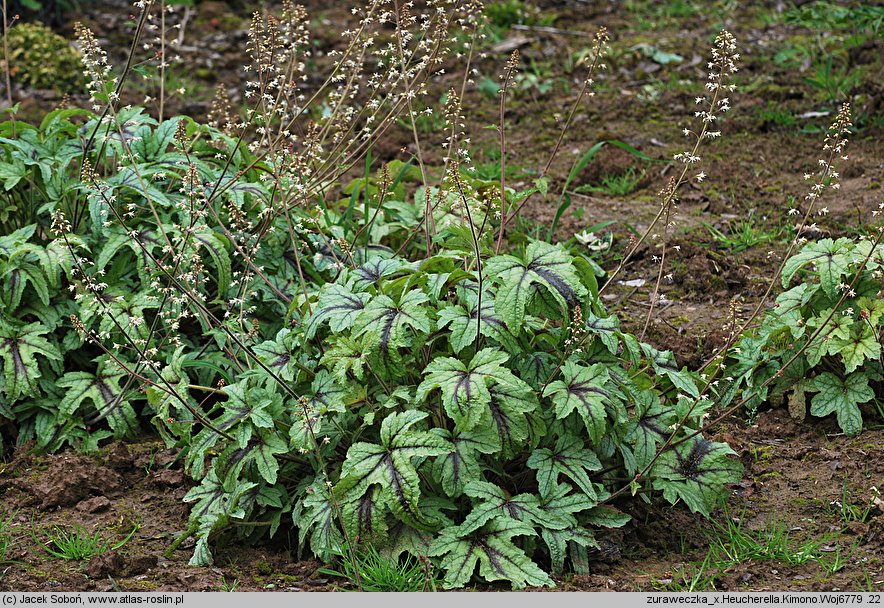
column 722, row 66
column 600, row 48
column 509, row 73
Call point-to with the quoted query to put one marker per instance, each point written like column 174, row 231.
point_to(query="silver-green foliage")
column 483, row 441
column 827, row 328
column 57, row 385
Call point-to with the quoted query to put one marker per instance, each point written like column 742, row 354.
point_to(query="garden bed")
column 805, row 483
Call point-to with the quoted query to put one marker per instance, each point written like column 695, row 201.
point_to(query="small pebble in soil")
column 94, row 505
column 104, row 565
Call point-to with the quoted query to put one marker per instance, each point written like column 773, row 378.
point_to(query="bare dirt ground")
column 804, row 477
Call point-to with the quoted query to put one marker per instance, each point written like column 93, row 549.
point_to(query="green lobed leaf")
column 663, row 362
column 557, row 542
column 492, row 502
column 337, row 306
column 587, row 390
column 390, row 465
column 841, row 396
column 215, row 507
column 366, row 517
column 544, row 267
column 454, row 469
column 860, row 347
column 216, row 245
column 315, row 516
column 606, row 328
column 269, row 445
column 385, row 323
column 829, row 259
column 651, row 429
column 561, row 505
column 696, row 472
column 276, row 354
column 465, row 387
column 569, row 458
column 510, row 409
column 20, row 345
column 492, row 549
column 103, row 389
column 327, row 394
column 374, row 270
column 463, row 322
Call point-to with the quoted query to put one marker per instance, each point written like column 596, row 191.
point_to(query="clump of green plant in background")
column 745, row 233
column 41, row 59
column 835, row 82
column 828, row 16
column 823, row 336
column 650, row 15
column 618, row 184
column 504, row 14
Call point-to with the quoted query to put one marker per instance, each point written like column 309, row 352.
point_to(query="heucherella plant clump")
column 475, row 407
column 819, row 348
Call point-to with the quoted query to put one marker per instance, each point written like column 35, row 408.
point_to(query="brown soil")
column 797, row 473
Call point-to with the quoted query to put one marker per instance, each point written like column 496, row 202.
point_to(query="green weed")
column 616, row 185
column 839, row 559
column 690, row 578
column 373, row 572
column 744, row 234
column 579, row 165
column 835, row 82
column 228, row 586
column 504, row 14
column 77, row 543
column 849, row 512
column 536, row 77
column 828, row 16
column 653, row 15
column 775, row 115
column 731, row 544
column 5, row 536
column 488, row 169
